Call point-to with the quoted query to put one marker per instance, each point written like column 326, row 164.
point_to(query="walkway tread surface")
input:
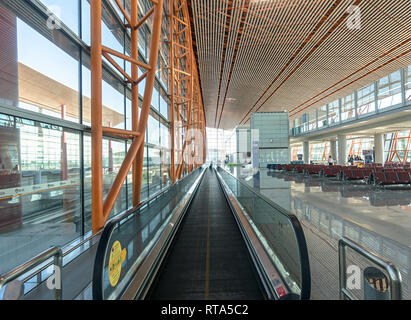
column 208, row 259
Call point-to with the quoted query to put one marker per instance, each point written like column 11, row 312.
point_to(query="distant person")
column 330, row 161
column 351, row 160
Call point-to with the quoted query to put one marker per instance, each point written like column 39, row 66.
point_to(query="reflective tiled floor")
column 377, row 218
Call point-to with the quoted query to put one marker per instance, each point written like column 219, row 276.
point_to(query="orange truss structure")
column 188, row 130
column 101, row 208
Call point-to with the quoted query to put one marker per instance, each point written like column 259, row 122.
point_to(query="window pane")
column 154, row 173
column 65, row 10
column 144, row 182
column 165, row 136
column 163, row 105
column 366, row 99
column 153, row 130
column 155, row 102
column 304, row 122
column 312, row 116
column 165, row 167
column 85, row 21
column 142, row 84
column 319, row 152
column 347, row 107
column 142, row 42
column 113, row 101
column 408, row 83
column 113, row 155
column 163, row 71
column 39, row 76
column 322, row 116
column 112, row 36
column 389, row 90
column 297, row 129
column 295, row 151
column 334, row 112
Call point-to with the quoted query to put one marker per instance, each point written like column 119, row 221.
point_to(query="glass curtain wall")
column 366, row 99
column 348, row 107
column 322, row 116
column 216, row 144
column 319, row 152
column 295, row 151
column 389, row 90
column 392, row 90
column 334, row 112
column 45, row 111
column 407, row 78
column 355, row 146
column 397, row 147
column 312, row 117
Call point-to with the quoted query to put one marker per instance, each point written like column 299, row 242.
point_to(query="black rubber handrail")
column 106, row 235
column 299, row 235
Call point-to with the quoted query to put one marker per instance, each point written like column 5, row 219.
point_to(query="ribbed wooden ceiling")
column 275, row 55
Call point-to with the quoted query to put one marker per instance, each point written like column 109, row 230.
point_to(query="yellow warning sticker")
column 117, row 257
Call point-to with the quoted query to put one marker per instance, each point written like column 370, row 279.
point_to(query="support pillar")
column 134, row 101
column 342, row 150
column 306, row 152
column 96, row 118
column 333, row 149
column 379, row 148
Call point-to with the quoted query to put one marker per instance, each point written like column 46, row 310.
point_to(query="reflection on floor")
column 378, row 219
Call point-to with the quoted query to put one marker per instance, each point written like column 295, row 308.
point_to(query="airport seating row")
column 354, row 173
column 390, row 176
column 377, row 174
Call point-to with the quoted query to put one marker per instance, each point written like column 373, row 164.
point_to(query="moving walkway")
column 209, row 236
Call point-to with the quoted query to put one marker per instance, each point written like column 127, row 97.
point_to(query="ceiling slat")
column 293, row 55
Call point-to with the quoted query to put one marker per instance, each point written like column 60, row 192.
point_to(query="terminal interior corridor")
column 205, row 150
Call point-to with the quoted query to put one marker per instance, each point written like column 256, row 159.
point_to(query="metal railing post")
column 58, row 264
column 342, row 267
column 392, row 271
column 54, row 252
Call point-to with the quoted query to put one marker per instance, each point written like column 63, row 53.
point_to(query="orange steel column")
column 140, row 165
column 406, row 147
column 134, row 96
column 191, row 126
column 176, row 78
column 172, row 133
column 96, row 117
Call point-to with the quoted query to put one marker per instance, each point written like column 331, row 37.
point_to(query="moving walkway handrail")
column 298, row 233
column 108, row 230
column 392, row 271
column 55, row 252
